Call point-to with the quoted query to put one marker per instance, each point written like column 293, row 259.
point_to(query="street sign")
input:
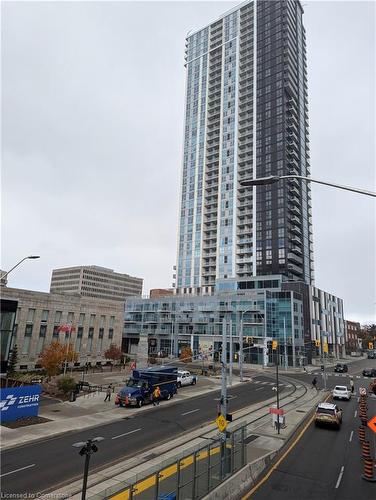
column 276, row 411
column 372, row 424
column 362, row 391
column 221, row 423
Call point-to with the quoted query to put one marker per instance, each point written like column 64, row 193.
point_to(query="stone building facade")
column 95, row 325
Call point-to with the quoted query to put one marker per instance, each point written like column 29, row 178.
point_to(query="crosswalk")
column 262, row 382
column 333, row 374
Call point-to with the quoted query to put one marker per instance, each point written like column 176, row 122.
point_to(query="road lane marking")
column 192, row 411
column 356, row 413
column 272, row 469
column 17, row 470
column 126, row 433
column 340, row 476
column 351, row 436
column 260, row 389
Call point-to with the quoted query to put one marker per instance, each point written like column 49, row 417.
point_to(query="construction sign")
column 221, row 423
column 372, row 424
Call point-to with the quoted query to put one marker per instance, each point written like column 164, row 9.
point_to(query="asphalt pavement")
column 49, row 463
column 325, row 464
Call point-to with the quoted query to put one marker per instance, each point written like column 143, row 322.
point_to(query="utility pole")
column 277, row 385
column 224, row 394
column 241, row 353
column 323, row 359
column 231, row 354
column 285, row 342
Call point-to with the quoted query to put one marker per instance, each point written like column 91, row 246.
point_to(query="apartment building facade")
column 245, row 117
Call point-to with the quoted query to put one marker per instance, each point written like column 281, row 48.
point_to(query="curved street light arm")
column 331, row 184
column 18, row 263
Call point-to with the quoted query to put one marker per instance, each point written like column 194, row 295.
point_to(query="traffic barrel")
column 368, row 470
column 361, row 433
column 366, row 449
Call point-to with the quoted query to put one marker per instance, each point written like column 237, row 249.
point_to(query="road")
column 43, row 465
column 325, row 464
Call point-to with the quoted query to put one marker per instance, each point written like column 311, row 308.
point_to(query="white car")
column 186, row 378
column 341, row 392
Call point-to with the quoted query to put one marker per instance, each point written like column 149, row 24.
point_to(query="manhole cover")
column 249, row 439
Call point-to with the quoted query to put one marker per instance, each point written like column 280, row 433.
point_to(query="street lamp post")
column 18, row 263
column 87, row 448
column 262, row 181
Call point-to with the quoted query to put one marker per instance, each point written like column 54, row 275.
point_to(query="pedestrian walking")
column 156, row 396
column 314, row 384
column 108, row 394
column 352, row 385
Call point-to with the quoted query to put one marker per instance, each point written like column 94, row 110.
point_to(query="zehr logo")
column 7, row 402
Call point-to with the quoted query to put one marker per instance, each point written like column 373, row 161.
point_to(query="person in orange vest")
column 156, row 396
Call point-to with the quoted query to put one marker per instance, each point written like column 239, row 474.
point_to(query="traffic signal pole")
column 224, row 394
column 277, row 385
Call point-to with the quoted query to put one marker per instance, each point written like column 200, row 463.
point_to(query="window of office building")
column 44, row 317
column 112, row 321
column 100, row 340
column 111, row 333
column 58, row 315
column 55, row 334
column 30, row 315
column 80, row 332
column 42, row 338
column 103, row 319
column 92, row 319
column 81, row 319
column 27, row 339
column 90, row 339
column 70, row 318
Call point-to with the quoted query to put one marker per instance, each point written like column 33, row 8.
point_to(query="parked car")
column 139, row 388
column 341, row 368
column 328, row 414
column 369, row 372
column 341, row 392
column 186, row 378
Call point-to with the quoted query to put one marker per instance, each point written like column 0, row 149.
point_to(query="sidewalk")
column 90, row 410
column 266, row 442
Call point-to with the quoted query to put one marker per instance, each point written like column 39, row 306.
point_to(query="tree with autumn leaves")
column 113, row 352
column 54, row 355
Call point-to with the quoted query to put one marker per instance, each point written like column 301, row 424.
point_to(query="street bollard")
column 366, row 449
column 361, row 434
column 368, row 470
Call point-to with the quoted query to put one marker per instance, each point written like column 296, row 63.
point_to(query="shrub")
column 66, row 384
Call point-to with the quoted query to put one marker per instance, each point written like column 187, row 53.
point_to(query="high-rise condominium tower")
column 245, row 117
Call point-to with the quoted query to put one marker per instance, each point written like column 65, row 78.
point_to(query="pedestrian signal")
column 370, row 345
column 274, row 345
column 317, row 343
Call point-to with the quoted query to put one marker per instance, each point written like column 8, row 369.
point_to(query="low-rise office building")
column 265, row 307
column 95, row 324
column 95, row 282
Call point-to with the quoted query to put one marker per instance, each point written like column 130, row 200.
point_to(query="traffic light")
column 317, row 343
column 274, row 345
column 370, row 345
column 249, row 341
column 269, row 346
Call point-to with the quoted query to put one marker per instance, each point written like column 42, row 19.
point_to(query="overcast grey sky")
column 92, row 121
